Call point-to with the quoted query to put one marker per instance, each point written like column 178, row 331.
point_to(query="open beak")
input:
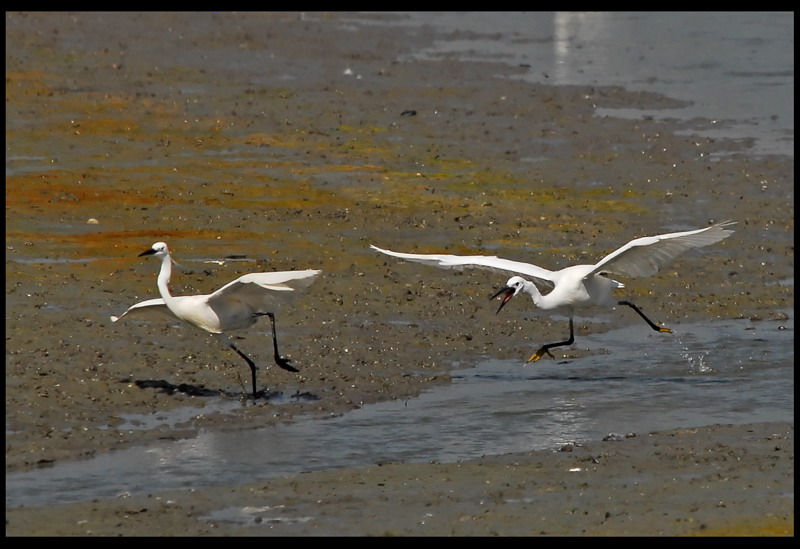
column 509, row 291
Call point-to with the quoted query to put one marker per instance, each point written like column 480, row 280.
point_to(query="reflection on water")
column 723, row 372
column 729, row 372
column 735, row 68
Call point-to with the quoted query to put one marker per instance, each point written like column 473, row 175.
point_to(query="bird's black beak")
column 151, row 251
column 509, row 291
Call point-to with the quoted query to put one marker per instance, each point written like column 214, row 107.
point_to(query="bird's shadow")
column 195, row 390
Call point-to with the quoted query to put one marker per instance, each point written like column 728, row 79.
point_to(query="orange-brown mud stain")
column 752, row 527
column 194, row 169
column 91, row 246
column 21, row 85
column 29, row 193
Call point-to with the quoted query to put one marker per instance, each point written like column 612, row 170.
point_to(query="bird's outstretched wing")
column 152, row 309
column 540, row 275
column 645, row 256
column 260, row 290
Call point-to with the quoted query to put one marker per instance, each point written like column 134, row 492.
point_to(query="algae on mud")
column 304, row 169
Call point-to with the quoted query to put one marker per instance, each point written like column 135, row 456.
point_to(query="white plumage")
column 235, row 306
column 581, row 286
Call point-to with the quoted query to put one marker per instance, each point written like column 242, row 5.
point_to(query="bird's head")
column 512, row 288
column 159, row 249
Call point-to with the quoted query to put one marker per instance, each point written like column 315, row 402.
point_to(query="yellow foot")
column 539, row 354
column 665, row 330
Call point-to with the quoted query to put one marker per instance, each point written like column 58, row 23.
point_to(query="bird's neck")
column 530, row 288
column 163, row 278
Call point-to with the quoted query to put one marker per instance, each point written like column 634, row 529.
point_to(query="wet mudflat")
column 252, row 141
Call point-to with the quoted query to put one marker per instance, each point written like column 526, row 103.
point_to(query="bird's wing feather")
column 262, row 290
column 152, row 309
column 645, row 256
column 539, row 274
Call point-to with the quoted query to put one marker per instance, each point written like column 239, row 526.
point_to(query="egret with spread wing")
column 235, row 306
column 581, row 286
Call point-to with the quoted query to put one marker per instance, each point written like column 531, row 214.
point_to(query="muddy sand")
column 292, row 168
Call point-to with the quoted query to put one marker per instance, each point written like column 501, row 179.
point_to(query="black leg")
column 283, row 363
column 652, row 324
column 546, row 348
column 249, row 363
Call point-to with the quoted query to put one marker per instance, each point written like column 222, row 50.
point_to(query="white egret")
column 235, row 306
column 581, row 286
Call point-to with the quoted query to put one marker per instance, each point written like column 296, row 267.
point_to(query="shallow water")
column 715, row 372
column 728, row 372
column 736, row 69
